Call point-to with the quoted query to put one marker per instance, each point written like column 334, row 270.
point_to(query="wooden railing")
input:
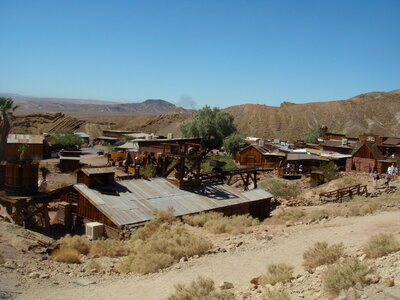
column 342, row 194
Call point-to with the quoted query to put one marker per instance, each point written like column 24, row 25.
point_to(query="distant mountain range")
column 28, row 105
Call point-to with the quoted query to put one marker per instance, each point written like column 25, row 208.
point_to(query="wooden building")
column 254, row 155
column 117, row 133
column 118, row 204
column 37, row 147
column 84, row 137
column 69, row 163
column 367, row 159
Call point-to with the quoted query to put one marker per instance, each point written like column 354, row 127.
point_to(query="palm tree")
column 7, row 109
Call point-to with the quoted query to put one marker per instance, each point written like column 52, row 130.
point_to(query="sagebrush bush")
column 67, row 255
column 322, row 254
column 285, row 215
column 158, row 245
column 94, row 265
column 216, row 222
column 109, row 247
column 344, row 275
column 77, row 242
column 380, row 245
column 277, row 273
column 284, row 190
column 277, row 295
column 200, row 289
column 200, row 219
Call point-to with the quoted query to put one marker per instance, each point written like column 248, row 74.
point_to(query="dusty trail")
column 237, row 267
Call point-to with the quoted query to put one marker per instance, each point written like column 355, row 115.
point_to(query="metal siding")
column 144, row 197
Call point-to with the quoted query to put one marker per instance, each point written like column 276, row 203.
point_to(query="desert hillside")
column 376, row 112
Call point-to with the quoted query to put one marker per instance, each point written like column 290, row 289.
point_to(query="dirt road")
column 237, row 267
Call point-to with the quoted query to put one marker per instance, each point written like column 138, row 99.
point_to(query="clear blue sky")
column 219, row 53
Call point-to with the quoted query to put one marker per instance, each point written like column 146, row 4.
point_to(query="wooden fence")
column 342, row 194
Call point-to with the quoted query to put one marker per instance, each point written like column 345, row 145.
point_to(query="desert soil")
column 238, row 265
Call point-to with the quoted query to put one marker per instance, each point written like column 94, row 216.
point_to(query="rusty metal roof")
column 304, row 156
column 139, row 199
column 25, row 139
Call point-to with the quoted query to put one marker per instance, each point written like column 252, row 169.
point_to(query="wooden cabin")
column 84, row 137
column 69, row 163
column 37, row 147
column 255, row 155
column 367, row 159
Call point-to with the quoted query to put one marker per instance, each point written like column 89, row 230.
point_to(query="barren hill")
column 377, row 112
column 29, row 105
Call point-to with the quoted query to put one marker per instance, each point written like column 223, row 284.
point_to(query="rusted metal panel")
column 138, row 200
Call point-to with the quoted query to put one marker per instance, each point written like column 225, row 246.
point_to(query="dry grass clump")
column 77, row 242
column 109, row 247
column 285, row 215
column 94, row 265
column 277, row 295
column 322, row 254
column 344, row 275
column 200, row 289
column 160, row 244
column 199, row 220
column 67, row 255
column 216, row 222
column 277, row 273
column 380, row 245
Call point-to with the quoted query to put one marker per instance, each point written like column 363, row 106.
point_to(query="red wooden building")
column 254, row 155
column 367, row 159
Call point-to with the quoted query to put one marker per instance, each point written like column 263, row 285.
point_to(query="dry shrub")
column 380, row 245
column 94, row 265
column 344, row 275
column 109, row 247
column 159, row 244
column 2, row 259
column 233, row 224
column 200, row 289
column 285, row 215
column 352, row 211
column 67, row 255
column 277, row 273
column 370, row 208
column 322, row 254
column 199, row 220
column 77, row 242
column 277, row 295
column 284, row 190
column 216, row 222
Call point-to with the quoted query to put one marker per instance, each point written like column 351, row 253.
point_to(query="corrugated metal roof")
column 139, row 199
column 25, row 139
column 82, row 134
column 304, row 156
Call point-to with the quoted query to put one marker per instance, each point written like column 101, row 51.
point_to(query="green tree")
column 210, row 124
column 313, row 135
column 7, row 109
column 233, row 143
column 65, row 139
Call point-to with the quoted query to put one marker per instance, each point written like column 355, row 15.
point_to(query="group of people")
column 293, row 169
column 391, row 174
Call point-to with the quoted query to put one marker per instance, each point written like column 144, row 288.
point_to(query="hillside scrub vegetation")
column 313, row 134
column 159, row 244
column 77, row 242
column 282, row 189
column 277, row 295
column 380, row 245
column 343, row 275
column 217, row 223
column 109, row 248
column 67, row 255
column 200, row 289
column 322, row 254
column 277, row 273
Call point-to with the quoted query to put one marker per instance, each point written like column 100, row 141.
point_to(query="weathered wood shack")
column 367, row 159
column 36, row 146
column 254, row 155
column 117, row 204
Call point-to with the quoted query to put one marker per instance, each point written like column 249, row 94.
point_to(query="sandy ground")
column 237, row 267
